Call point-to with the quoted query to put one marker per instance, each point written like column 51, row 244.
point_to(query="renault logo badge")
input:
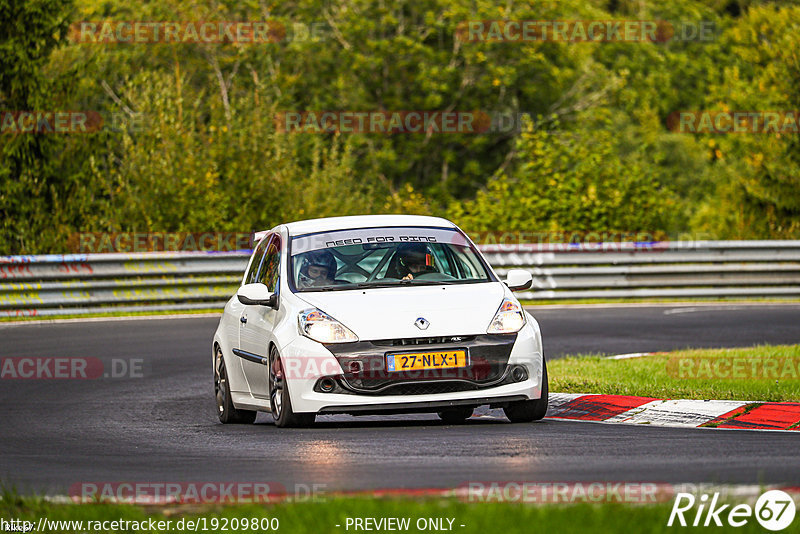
column 422, row 323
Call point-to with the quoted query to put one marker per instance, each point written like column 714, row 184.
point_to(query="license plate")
column 416, row 361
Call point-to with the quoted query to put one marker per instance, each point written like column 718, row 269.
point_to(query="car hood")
column 388, row 313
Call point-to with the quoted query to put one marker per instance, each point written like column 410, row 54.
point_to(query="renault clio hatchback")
column 375, row 314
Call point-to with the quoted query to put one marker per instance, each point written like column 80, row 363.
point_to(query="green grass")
column 322, row 517
column 660, row 375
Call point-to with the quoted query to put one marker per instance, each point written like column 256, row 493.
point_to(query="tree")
column 581, row 180
column 33, row 189
column 758, row 189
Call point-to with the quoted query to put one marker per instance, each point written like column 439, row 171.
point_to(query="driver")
column 415, row 259
column 318, row 269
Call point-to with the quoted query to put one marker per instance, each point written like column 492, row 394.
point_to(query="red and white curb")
column 675, row 412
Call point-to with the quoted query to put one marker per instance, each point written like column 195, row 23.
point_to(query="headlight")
column 321, row 327
column 509, row 318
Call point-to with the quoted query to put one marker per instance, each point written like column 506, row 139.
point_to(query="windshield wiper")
column 363, row 285
column 406, row 282
column 430, row 282
column 330, row 288
column 383, row 284
column 345, row 287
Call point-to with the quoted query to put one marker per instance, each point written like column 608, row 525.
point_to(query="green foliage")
column 758, row 186
column 34, row 189
column 194, row 146
column 583, row 179
column 226, row 173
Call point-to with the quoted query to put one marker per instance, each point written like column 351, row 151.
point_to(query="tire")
column 457, row 415
column 530, row 410
column 279, row 400
column 227, row 413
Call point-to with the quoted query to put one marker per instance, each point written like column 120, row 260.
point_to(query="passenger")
column 414, row 259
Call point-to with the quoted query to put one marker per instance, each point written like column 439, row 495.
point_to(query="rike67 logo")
column 774, row 510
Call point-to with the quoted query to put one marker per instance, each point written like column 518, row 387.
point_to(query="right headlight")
column 321, row 327
column 509, row 318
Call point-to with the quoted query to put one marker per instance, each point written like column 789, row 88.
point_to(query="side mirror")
column 257, row 295
column 518, row 279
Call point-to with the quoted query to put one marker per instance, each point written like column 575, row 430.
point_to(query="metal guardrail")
column 677, row 269
column 88, row 283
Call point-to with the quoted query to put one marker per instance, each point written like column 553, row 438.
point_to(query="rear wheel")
column 279, row 399
column 530, row 410
column 225, row 410
column 456, row 416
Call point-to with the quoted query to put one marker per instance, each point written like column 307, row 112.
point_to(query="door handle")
column 243, row 319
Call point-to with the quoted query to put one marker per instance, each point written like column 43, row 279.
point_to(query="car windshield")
column 383, row 257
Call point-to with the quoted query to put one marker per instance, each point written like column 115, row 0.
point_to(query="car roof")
column 361, row 221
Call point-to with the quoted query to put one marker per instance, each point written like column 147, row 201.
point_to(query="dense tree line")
column 190, row 142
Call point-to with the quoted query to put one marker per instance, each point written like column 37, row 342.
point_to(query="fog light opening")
column 519, row 373
column 326, row 385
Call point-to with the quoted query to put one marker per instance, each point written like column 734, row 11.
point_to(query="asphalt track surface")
column 162, row 427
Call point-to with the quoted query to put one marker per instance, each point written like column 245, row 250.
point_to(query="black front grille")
column 428, row 388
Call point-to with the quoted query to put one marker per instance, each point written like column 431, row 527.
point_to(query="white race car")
column 375, row 314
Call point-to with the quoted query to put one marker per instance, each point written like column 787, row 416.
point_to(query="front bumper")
column 485, row 384
column 419, row 407
column 487, row 365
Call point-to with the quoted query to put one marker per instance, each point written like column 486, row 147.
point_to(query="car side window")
column 268, row 274
column 258, row 255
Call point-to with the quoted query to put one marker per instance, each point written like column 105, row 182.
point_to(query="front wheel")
column 227, row 413
column 530, row 410
column 279, row 400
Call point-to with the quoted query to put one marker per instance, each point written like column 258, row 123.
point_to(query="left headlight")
column 321, row 327
column 509, row 318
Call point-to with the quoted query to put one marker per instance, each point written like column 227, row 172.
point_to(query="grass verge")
column 317, row 517
column 763, row 373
